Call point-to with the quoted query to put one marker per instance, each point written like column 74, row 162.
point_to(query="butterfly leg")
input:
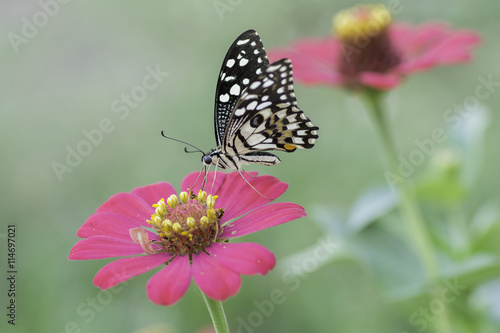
column 213, row 182
column 197, row 178
column 248, row 174
column 246, row 181
column 206, row 170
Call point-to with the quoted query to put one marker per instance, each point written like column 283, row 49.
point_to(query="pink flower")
column 368, row 51
column 187, row 235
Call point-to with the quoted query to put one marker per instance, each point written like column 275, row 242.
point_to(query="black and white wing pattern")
column 245, row 60
column 256, row 109
column 266, row 117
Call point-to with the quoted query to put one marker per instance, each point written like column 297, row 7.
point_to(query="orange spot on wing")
column 290, row 147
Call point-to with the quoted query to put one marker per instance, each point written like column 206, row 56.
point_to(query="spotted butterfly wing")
column 256, row 110
column 266, row 117
column 244, row 61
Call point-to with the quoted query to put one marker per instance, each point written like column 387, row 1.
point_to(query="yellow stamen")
column 211, row 213
column 210, row 201
column 184, row 196
column 191, row 222
column 202, row 195
column 366, row 20
column 160, row 202
column 167, row 224
column 177, row 227
column 172, row 201
column 157, row 220
column 204, row 221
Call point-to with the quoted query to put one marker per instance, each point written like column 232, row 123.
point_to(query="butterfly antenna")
column 184, row 142
column 246, row 181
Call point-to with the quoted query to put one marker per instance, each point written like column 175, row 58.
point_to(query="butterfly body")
column 255, row 108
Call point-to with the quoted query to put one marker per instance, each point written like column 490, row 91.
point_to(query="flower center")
column 368, row 20
column 185, row 224
column 365, row 44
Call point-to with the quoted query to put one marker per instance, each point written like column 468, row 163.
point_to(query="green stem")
column 217, row 314
column 409, row 207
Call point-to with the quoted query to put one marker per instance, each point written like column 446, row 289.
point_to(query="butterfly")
column 255, row 108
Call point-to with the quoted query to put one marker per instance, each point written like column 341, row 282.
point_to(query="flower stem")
column 217, row 314
column 409, row 207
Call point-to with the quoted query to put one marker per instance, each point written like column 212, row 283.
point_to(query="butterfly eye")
column 206, row 159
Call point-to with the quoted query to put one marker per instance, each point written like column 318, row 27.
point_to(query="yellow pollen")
column 211, row 213
column 204, row 221
column 158, row 211
column 159, row 203
column 172, row 201
column 202, row 195
column 191, row 222
column 184, row 196
column 177, row 227
column 210, row 201
column 184, row 225
column 365, row 20
column 167, row 224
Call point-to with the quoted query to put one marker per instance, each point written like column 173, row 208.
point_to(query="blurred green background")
column 64, row 80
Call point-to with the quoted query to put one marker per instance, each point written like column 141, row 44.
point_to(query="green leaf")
column 444, row 188
column 371, row 205
column 486, row 298
column 485, row 228
column 468, row 136
column 332, row 247
column 453, row 167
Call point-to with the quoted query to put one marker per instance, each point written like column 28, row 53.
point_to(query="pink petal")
column 263, row 218
column 243, row 258
column 128, row 205
column 108, row 224
column 314, row 60
column 452, row 49
column 98, row 247
column 413, row 39
column 168, row 285
column 237, row 197
column 215, row 280
column 194, row 181
column 430, row 45
column 123, row 269
column 382, row 81
column 232, row 184
column 151, row 194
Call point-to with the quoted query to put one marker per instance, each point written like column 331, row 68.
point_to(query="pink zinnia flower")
column 187, row 234
column 367, row 51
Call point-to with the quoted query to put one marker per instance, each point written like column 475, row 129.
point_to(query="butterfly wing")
column 266, row 117
column 244, row 61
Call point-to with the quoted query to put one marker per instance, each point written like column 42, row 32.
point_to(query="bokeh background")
column 67, row 76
